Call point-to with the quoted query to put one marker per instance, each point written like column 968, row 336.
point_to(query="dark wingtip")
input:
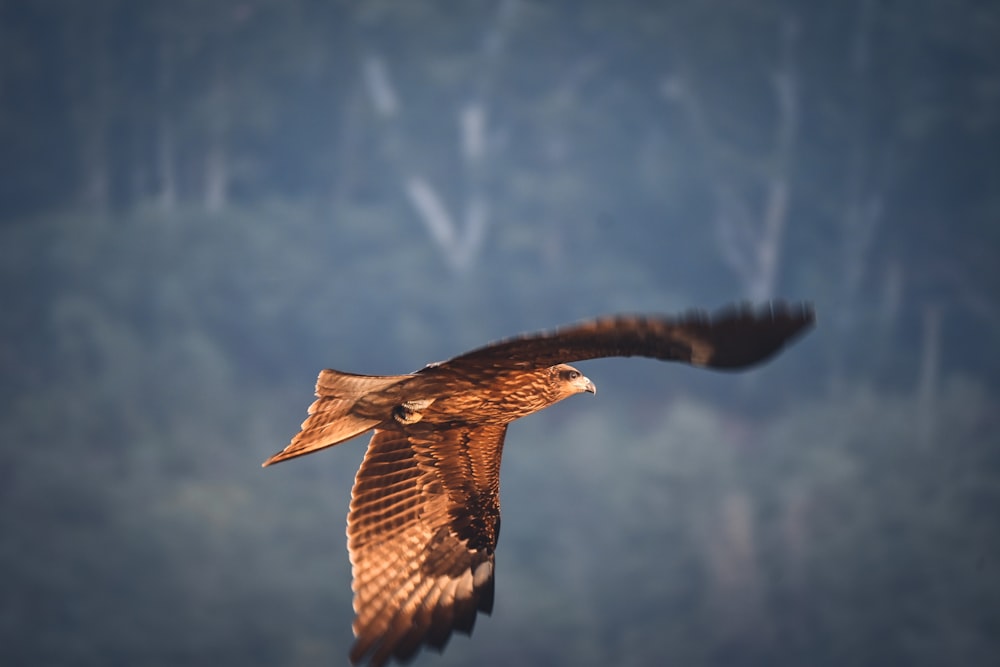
column 486, row 595
column 743, row 336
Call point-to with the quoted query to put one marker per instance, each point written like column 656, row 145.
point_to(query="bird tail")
column 331, row 418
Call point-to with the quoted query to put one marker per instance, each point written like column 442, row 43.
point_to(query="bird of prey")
column 425, row 508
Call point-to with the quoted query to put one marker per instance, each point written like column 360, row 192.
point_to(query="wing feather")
column 425, row 514
column 422, row 547
column 410, row 642
column 732, row 338
column 442, row 617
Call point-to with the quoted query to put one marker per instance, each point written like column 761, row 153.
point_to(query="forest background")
column 204, row 203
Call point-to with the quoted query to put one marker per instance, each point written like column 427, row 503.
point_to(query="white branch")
column 474, row 233
column 751, row 239
column 379, row 87
column 461, row 240
column 431, row 211
column 472, row 121
column 460, row 246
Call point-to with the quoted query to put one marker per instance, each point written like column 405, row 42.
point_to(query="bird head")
column 571, row 381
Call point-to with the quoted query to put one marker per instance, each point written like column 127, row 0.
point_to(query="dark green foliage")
column 171, row 357
column 836, row 507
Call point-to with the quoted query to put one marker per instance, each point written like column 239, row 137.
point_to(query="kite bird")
column 425, row 508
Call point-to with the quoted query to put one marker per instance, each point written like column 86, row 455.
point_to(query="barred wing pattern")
column 733, row 338
column 423, row 525
column 425, row 512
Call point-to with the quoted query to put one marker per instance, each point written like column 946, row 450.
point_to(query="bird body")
column 425, row 511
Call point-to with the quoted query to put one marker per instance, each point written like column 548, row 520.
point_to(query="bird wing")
column 733, row 338
column 423, row 525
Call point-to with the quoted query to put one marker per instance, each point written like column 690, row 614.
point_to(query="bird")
column 424, row 514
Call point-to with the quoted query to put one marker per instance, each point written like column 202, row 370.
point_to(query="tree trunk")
column 930, row 363
column 460, row 237
column 93, row 93
column 751, row 239
column 165, row 161
column 863, row 191
column 216, row 174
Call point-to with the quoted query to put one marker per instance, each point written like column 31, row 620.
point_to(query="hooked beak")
column 589, row 386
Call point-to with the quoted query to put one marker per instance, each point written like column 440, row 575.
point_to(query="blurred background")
column 204, row 203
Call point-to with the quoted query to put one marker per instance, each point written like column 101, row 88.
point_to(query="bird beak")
column 589, row 387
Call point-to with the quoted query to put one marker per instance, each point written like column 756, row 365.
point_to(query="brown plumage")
column 425, row 508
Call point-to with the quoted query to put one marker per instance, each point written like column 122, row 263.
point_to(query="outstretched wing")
column 424, row 519
column 732, row 338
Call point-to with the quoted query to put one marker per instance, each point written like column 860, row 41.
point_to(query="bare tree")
column 869, row 167
column 164, row 146
column 92, row 92
column 216, row 174
column 734, row 565
column 751, row 235
column 458, row 234
column 930, row 365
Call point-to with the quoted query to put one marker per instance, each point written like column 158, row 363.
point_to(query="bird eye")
column 574, row 375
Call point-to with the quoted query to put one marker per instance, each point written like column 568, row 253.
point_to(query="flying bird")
column 425, row 507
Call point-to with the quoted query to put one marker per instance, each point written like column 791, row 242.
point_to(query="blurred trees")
column 203, row 203
column 743, row 138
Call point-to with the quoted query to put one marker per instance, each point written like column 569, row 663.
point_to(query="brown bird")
column 425, row 508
